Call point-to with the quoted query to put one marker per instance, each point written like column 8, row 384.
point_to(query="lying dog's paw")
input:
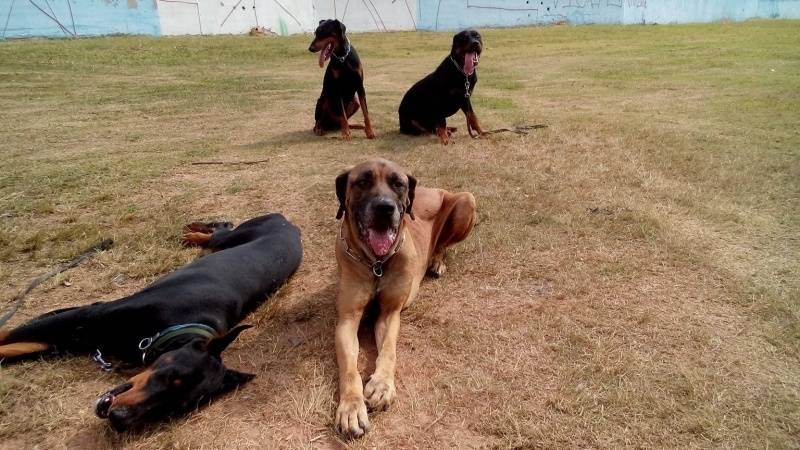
column 370, row 134
column 437, row 269
column 319, row 131
column 379, row 392
column 351, row 417
column 195, row 239
column 197, row 227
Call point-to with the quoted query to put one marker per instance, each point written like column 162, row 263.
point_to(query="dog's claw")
column 351, row 417
column 380, row 393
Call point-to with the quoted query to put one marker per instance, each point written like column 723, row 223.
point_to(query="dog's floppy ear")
column 322, row 21
column 342, row 28
column 341, row 192
column 218, row 344
column 232, row 379
column 412, row 187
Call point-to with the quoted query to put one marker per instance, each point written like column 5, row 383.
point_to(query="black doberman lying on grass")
column 178, row 326
column 427, row 105
column 344, row 78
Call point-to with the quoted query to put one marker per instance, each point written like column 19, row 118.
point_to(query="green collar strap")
column 154, row 346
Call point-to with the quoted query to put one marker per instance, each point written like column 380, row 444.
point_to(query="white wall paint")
column 235, row 16
column 369, row 15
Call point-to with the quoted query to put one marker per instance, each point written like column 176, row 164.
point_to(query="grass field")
column 633, row 280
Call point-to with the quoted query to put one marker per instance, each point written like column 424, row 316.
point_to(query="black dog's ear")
column 412, row 187
column 342, row 28
column 341, row 192
column 233, row 379
column 217, row 345
column 321, row 21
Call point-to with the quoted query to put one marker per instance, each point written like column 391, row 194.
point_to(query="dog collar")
column 466, row 77
column 152, row 347
column 377, row 266
column 346, row 52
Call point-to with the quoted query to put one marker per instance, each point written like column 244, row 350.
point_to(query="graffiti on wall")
column 370, row 15
column 453, row 14
column 71, row 18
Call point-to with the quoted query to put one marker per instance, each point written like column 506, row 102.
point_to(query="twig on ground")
column 202, row 163
column 521, row 129
column 105, row 244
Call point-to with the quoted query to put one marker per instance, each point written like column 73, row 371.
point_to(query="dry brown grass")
column 633, row 280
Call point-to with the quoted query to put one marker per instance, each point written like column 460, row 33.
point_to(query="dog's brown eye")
column 362, row 183
column 398, row 184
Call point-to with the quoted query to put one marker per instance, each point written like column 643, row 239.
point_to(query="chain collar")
column 466, row 77
column 152, row 347
column 377, row 266
column 346, row 52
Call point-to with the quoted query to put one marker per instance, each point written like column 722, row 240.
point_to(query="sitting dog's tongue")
column 469, row 63
column 325, row 54
column 380, row 241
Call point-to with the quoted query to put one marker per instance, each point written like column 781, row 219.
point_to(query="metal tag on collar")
column 377, row 269
column 466, row 88
column 98, row 358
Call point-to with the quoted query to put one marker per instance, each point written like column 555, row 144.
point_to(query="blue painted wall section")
column 68, row 18
column 460, row 14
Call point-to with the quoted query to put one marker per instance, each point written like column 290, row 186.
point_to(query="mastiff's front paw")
column 351, row 417
column 380, row 393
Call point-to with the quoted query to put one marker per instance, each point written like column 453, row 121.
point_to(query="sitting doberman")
column 344, row 78
column 178, row 326
column 427, row 105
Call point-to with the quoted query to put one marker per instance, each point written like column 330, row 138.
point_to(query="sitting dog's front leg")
column 472, row 120
column 345, row 125
column 351, row 414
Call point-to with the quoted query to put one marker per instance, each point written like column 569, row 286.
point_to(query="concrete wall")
column 459, row 14
column 234, row 16
column 369, row 15
column 66, row 18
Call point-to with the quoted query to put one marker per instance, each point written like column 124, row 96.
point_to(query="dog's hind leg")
column 457, row 222
column 57, row 328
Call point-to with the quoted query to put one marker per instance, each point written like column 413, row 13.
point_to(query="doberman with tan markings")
column 344, row 78
column 393, row 232
column 427, row 105
column 178, row 326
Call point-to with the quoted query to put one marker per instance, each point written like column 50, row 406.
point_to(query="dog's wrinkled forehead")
column 370, row 173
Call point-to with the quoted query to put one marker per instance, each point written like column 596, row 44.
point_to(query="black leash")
column 105, row 244
column 522, row 129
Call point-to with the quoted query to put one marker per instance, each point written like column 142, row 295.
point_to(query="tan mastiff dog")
column 384, row 249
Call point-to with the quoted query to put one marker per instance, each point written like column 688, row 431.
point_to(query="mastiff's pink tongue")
column 325, row 54
column 380, row 241
column 469, row 62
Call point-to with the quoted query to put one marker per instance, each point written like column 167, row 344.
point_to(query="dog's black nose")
column 384, row 208
column 103, row 405
column 311, row 48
